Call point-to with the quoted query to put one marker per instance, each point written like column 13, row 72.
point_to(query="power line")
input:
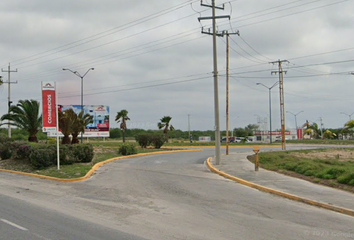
column 104, row 33
column 287, row 15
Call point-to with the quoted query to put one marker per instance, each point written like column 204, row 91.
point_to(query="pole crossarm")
column 211, row 6
column 216, row 17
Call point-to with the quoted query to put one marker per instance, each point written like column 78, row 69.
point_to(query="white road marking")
column 14, row 225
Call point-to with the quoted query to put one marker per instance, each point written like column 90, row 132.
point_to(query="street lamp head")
column 92, row 68
column 258, row 83
column 64, row 69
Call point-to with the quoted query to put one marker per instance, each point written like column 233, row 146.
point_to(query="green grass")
column 334, row 168
column 66, row 171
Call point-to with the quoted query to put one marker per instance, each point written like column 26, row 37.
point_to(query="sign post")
column 256, row 150
column 50, row 112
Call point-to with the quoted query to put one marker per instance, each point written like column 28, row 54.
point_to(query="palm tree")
column 122, row 117
column 165, row 124
column 25, row 115
column 311, row 129
column 79, row 124
column 66, row 120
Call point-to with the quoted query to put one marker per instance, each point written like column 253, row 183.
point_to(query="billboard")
column 100, row 114
column 49, row 106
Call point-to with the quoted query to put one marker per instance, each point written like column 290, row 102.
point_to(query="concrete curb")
column 345, row 211
column 95, row 167
column 233, row 146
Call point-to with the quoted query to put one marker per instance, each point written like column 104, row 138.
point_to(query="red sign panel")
column 299, row 133
column 258, row 133
column 49, row 106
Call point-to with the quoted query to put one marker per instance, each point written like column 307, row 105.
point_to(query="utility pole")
column 9, row 71
column 227, row 86
column 281, row 93
column 321, row 127
column 189, row 129
column 216, row 89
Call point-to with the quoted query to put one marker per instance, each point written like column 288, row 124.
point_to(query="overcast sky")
column 151, row 59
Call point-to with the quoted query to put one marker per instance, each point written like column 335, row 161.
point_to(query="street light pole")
column 82, row 89
column 349, row 115
column 270, row 106
column 295, row 118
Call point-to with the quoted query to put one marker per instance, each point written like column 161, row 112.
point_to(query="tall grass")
column 323, row 168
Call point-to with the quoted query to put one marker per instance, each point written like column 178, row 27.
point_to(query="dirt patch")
column 337, row 154
column 16, row 165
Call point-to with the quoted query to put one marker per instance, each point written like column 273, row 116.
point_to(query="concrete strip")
column 212, row 146
column 95, row 167
column 346, row 211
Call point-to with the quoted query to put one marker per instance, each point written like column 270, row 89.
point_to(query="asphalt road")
column 169, row 196
column 21, row 220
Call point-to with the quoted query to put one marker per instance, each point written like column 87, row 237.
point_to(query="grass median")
column 331, row 167
column 102, row 152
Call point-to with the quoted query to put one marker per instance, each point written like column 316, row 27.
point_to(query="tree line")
column 27, row 118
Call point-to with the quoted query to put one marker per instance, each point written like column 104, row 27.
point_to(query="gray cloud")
column 135, row 61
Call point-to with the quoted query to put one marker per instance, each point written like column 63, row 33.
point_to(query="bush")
column 127, row 149
column 41, row 158
column 21, row 151
column 143, row 140
column 66, row 155
column 5, row 151
column 82, row 152
column 157, row 140
column 346, row 178
column 4, row 139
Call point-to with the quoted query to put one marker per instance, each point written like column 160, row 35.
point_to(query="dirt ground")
column 338, row 154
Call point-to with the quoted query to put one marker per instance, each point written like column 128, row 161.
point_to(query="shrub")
column 22, row 151
column 127, row 149
column 5, row 151
column 4, row 139
column 157, row 140
column 82, row 152
column 66, row 155
column 143, row 140
column 346, row 178
column 41, row 158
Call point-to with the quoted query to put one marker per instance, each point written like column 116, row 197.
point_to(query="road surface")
column 169, row 196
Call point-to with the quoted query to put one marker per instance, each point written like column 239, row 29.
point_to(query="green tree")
column 114, row 133
column 240, row 132
column 329, row 135
column 348, row 128
column 79, row 124
column 165, row 124
column 122, row 117
column 25, row 115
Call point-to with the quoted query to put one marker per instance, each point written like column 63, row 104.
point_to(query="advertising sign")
column 49, row 106
column 100, row 114
column 299, row 133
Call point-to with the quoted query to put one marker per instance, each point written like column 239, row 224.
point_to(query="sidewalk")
column 236, row 164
